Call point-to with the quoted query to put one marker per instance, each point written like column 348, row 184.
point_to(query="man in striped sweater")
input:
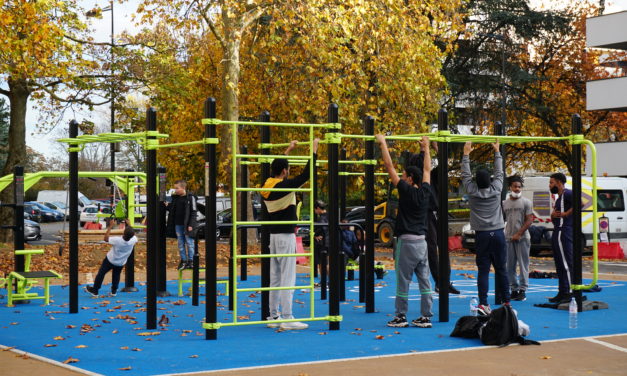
column 281, row 206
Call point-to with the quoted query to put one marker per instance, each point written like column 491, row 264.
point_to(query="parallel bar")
column 308, row 287
column 237, row 122
column 255, row 156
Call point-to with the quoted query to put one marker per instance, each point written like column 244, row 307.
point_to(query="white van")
column 611, row 194
column 62, row 196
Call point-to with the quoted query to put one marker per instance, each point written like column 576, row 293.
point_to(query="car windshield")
column 49, row 205
column 59, row 205
column 91, row 210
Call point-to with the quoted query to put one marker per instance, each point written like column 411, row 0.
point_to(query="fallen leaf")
column 70, row 360
column 545, row 357
column 80, row 346
column 115, row 331
column 14, row 323
column 136, row 349
column 50, row 345
column 145, row 334
column 59, row 338
column 397, row 332
column 379, row 337
column 124, row 348
column 125, row 368
column 164, row 320
column 322, row 333
column 10, row 348
column 70, row 326
column 193, row 356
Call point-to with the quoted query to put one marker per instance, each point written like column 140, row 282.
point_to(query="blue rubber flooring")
column 108, row 335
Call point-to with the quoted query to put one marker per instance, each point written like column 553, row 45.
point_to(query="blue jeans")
column 491, row 251
column 183, row 240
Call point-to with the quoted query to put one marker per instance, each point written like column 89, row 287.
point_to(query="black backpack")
column 468, row 326
column 501, row 329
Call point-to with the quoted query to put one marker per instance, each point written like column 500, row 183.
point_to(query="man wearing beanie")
column 486, row 218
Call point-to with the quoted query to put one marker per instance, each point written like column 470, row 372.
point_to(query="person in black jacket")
column 281, row 206
column 182, row 222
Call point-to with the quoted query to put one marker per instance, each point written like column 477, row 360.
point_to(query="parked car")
column 90, row 213
column 58, row 206
column 47, row 214
column 32, row 213
column 32, row 231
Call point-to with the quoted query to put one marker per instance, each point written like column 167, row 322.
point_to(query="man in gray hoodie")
column 486, row 218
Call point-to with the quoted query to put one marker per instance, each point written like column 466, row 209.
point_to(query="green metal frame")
column 24, row 283
column 182, row 280
column 235, row 222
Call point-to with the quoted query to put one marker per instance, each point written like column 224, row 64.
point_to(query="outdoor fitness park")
column 244, row 292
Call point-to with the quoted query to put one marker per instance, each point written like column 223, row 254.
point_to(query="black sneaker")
column 557, row 298
column 182, row 265
column 189, row 264
column 452, row 289
column 398, row 322
column 422, row 322
column 91, row 290
column 521, row 296
column 114, row 292
column 514, row 294
column 565, row 298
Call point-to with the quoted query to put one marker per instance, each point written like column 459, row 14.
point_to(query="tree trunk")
column 18, row 100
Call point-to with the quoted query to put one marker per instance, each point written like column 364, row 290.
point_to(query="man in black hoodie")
column 182, row 222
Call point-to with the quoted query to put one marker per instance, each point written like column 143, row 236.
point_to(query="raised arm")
column 426, row 165
column 387, row 160
column 469, row 186
column 497, row 182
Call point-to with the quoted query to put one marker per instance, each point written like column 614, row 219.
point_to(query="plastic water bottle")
column 473, row 306
column 572, row 314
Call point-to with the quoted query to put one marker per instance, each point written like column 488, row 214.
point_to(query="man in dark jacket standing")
column 182, row 221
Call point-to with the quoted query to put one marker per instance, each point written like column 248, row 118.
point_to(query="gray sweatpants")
column 410, row 256
column 282, row 274
column 518, row 254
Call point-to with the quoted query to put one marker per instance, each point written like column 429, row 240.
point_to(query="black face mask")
column 554, row 190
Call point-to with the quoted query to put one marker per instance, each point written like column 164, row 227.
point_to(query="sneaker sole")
column 405, row 325
column 423, row 325
column 292, row 328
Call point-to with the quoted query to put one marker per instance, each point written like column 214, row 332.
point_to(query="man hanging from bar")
column 282, row 207
column 410, row 253
column 486, row 218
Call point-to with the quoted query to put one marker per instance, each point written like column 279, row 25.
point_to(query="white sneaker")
column 294, row 325
column 271, row 324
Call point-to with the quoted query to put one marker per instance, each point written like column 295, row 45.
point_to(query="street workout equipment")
column 333, row 137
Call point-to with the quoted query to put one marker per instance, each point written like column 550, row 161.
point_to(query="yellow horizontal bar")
column 275, row 288
column 274, row 255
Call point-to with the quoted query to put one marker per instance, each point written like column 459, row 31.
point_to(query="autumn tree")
column 45, row 58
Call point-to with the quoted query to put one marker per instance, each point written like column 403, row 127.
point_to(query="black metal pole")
column 18, row 216
column 151, row 225
column 334, row 228
column 366, row 270
column 211, row 265
column 196, row 271
column 444, row 268
column 73, row 236
column 162, row 254
column 499, row 130
column 265, row 233
column 578, row 240
column 324, row 276
column 343, row 257
column 129, row 268
column 244, row 216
